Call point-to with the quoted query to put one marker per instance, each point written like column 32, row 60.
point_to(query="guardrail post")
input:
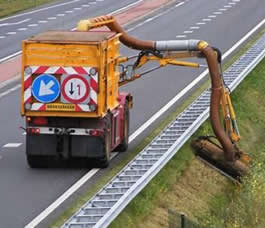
column 182, row 220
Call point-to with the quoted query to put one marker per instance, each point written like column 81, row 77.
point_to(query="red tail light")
column 40, row 121
column 33, row 131
column 96, row 132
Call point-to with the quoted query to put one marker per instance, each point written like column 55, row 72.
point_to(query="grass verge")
column 244, row 207
column 147, row 201
column 9, row 7
column 200, row 193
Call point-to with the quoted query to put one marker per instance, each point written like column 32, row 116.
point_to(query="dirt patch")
column 190, row 195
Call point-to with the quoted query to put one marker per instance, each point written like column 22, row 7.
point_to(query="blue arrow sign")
column 45, row 88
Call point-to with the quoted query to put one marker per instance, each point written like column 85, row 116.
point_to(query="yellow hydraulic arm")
column 228, row 113
column 167, row 52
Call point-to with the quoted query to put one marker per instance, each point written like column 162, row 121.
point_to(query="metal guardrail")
column 106, row 204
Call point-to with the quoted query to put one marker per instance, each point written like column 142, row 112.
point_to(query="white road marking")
column 15, row 23
column 235, row 0
column 99, row 0
column 195, row 27
column 191, row 85
column 222, row 9
column 227, row 6
column 179, row 4
column 60, row 14
column 125, row 7
column 181, row 36
column 85, row 5
column 143, row 127
column 212, row 16
column 22, row 29
column 149, row 19
column 186, row 32
column 9, row 91
column 10, row 56
column 32, row 25
column 69, row 11
column 217, row 13
column 42, row 22
column 231, row 3
column 111, row 13
column 2, row 37
column 154, row 17
column 51, row 18
column 42, row 9
column 206, row 19
column 12, row 145
column 92, row 3
column 9, row 81
column 200, row 23
column 77, row 8
column 11, row 33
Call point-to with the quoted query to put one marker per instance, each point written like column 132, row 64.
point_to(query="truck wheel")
column 104, row 162
column 126, row 126
column 38, row 161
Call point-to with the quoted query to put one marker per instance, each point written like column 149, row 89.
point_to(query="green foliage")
column 144, row 202
column 8, row 7
column 237, row 206
column 242, row 206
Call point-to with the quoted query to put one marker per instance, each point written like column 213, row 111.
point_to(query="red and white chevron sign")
column 55, row 70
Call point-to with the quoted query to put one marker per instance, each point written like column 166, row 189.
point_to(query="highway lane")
column 221, row 31
column 62, row 15
column 25, row 192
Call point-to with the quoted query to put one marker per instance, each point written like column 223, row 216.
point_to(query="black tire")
column 104, row 162
column 126, row 126
column 39, row 161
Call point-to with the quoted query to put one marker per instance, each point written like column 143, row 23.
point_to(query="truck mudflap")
column 87, row 146
column 65, row 143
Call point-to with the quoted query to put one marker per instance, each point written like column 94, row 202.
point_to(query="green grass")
column 145, row 202
column 249, row 103
column 244, row 207
column 247, row 204
column 9, row 7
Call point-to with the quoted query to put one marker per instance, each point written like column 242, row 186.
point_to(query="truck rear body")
column 70, row 94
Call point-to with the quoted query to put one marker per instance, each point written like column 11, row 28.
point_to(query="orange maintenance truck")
column 71, row 99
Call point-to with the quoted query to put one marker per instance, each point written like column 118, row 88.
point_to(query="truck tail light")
column 96, row 133
column 33, row 131
column 40, row 121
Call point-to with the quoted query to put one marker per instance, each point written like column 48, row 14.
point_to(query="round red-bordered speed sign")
column 75, row 88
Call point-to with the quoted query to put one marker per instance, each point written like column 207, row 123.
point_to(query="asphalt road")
column 60, row 15
column 24, row 192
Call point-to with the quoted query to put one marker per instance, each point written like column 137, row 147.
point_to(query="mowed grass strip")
column 9, row 7
column 187, row 185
